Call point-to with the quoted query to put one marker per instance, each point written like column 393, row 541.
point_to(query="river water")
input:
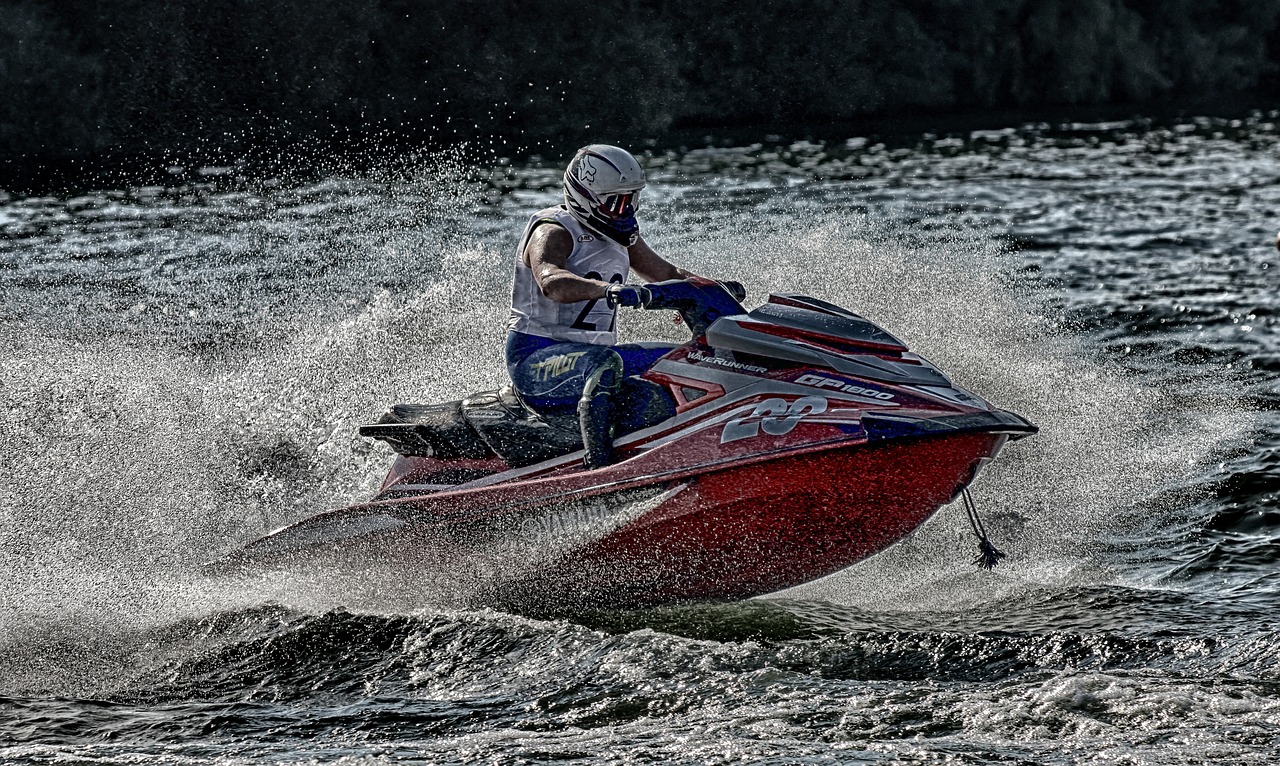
column 184, row 367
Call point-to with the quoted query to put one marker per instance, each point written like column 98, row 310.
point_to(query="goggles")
column 623, row 205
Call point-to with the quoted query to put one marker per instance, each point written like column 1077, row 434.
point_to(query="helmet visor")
column 620, row 206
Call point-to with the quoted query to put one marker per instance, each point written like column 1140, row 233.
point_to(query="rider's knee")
column 606, row 373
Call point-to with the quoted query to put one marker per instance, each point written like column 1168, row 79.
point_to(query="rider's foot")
column 593, row 418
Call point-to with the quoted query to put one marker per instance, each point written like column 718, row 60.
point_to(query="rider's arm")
column 652, row 267
column 547, row 255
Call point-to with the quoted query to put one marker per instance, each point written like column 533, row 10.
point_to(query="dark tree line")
column 79, row 77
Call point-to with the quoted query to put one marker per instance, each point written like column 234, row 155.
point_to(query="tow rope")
column 988, row 555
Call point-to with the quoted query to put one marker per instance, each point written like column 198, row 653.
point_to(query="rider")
column 570, row 276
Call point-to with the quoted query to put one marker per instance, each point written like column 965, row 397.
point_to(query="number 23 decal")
column 775, row 417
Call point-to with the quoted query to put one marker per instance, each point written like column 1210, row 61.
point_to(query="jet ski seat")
column 499, row 423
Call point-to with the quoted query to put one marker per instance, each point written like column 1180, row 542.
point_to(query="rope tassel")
column 988, row 555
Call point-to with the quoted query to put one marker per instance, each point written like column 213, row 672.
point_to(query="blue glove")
column 631, row 296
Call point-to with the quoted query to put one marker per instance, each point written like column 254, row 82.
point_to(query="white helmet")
column 602, row 189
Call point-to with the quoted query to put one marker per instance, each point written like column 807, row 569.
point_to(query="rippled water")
column 185, row 367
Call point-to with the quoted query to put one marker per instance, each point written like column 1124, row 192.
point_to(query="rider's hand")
column 631, row 296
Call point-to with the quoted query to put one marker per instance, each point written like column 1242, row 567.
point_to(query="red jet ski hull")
column 741, row 532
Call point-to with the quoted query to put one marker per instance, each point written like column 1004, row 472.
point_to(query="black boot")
column 593, row 417
column 595, row 410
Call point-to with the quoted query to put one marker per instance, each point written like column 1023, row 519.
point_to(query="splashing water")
column 136, row 458
column 187, row 369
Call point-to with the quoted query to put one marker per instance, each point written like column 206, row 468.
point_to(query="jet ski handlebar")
column 700, row 301
column 735, row 289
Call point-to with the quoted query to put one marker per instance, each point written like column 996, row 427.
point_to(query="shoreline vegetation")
column 126, row 88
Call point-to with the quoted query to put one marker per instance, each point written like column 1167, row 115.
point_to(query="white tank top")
column 594, row 256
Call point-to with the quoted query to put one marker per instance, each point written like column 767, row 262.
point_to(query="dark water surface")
column 185, row 367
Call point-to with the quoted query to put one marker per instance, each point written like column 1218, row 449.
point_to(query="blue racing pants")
column 551, row 375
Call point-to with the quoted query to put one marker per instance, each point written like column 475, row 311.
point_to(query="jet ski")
column 794, row 440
